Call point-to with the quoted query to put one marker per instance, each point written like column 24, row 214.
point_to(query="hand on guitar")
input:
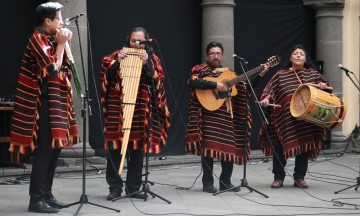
column 221, row 87
column 265, row 69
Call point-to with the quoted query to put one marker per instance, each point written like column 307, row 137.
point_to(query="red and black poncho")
column 38, row 66
column 295, row 136
column 113, row 111
column 215, row 133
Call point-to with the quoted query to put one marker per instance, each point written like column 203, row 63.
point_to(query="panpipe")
column 129, row 73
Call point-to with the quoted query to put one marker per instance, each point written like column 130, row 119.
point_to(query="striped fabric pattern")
column 295, row 136
column 38, row 65
column 215, row 133
column 113, row 112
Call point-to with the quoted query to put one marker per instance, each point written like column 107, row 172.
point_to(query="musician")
column 152, row 73
column 44, row 116
column 215, row 134
column 291, row 137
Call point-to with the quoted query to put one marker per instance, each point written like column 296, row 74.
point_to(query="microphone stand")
column 244, row 182
column 354, row 134
column 347, row 74
column 146, row 187
column 83, row 198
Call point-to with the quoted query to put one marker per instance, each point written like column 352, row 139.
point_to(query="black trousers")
column 44, row 164
column 134, row 171
column 301, row 164
column 208, row 165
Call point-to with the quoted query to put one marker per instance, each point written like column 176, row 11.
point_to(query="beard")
column 214, row 63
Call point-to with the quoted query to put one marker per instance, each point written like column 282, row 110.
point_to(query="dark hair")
column 47, row 10
column 137, row 29
column 308, row 62
column 214, row 44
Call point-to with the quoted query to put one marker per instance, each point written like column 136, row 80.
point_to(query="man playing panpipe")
column 113, row 86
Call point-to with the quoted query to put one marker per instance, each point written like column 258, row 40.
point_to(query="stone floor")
column 329, row 173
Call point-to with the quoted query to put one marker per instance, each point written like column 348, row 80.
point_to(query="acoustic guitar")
column 212, row 99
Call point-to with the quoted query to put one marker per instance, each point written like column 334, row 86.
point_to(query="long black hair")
column 148, row 48
column 47, row 10
column 308, row 63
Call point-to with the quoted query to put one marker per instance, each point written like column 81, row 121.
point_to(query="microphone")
column 69, row 20
column 240, row 58
column 138, row 43
column 340, row 66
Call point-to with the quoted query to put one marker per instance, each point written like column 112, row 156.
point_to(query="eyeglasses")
column 59, row 18
column 213, row 54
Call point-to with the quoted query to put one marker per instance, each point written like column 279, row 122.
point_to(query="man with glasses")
column 44, row 115
column 217, row 134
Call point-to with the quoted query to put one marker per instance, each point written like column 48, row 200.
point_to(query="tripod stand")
column 146, row 187
column 244, row 182
column 352, row 137
column 83, row 198
column 357, row 185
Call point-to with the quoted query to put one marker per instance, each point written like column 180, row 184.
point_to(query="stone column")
column 351, row 61
column 329, row 43
column 218, row 25
column 72, row 8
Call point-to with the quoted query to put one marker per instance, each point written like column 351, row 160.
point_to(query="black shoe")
column 136, row 195
column 114, row 193
column 42, row 207
column 209, row 189
column 55, row 203
column 228, row 186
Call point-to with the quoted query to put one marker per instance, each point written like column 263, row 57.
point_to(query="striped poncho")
column 113, row 109
column 38, row 66
column 295, row 136
column 215, row 133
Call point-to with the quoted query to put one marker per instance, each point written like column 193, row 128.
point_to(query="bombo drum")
column 318, row 107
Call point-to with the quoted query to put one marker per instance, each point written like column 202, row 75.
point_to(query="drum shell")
column 318, row 107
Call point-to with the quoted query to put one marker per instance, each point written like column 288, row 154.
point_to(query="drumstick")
column 273, row 105
column 317, row 85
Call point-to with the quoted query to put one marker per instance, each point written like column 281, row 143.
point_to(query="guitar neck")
column 242, row 77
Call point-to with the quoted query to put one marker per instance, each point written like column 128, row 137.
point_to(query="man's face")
column 55, row 24
column 137, row 36
column 214, row 57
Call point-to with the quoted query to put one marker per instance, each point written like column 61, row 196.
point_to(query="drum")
column 318, row 107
